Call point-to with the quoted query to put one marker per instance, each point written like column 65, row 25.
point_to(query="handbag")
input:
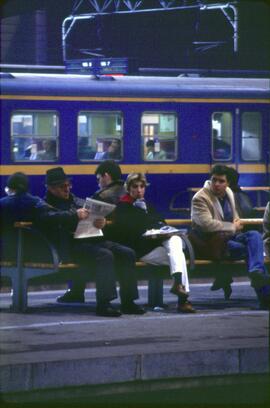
column 211, row 246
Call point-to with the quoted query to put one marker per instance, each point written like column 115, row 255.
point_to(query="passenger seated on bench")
column 132, row 218
column 213, row 212
column 19, row 205
column 243, row 203
column 108, row 175
column 266, row 229
column 88, row 250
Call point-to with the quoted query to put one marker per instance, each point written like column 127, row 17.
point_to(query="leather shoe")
column 218, row 284
column 107, row 310
column 227, row 289
column 186, row 308
column 179, row 290
column 71, row 297
column 132, row 308
column 259, row 279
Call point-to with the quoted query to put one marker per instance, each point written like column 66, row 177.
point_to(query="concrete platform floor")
column 58, row 350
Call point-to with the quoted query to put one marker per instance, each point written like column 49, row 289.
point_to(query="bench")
column 22, row 273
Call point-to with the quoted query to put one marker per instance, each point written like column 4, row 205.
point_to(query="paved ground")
column 54, row 349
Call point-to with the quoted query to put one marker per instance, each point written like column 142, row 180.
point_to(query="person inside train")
column 113, row 152
column 152, row 154
column 106, row 255
column 266, row 229
column 217, row 226
column 243, row 203
column 132, row 217
column 48, row 151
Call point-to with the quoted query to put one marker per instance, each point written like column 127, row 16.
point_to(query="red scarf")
column 127, row 199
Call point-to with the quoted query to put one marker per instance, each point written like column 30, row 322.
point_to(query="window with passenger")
column 100, row 135
column 159, row 136
column 34, row 136
column 251, row 140
column 222, row 136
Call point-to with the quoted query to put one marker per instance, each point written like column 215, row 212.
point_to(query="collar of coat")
column 214, row 198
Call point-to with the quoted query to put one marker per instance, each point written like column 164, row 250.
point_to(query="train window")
column 34, row 136
column 251, row 140
column 159, row 136
column 100, row 135
column 222, row 136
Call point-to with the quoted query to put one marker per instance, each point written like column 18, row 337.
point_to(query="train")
column 174, row 129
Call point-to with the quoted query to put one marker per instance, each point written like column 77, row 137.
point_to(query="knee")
column 128, row 254
column 176, row 241
column 105, row 255
column 254, row 235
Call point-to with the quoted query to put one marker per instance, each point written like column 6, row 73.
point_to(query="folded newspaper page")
column 97, row 209
column 167, row 229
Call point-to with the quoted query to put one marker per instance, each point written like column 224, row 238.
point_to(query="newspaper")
column 97, row 209
column 166, row 230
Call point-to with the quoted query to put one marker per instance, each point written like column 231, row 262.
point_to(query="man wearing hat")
column 91, row 252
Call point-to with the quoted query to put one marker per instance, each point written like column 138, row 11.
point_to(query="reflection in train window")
column 34, row 136
column 159, row 136
column 251, row 141
column 100, row 135
column 222, row 136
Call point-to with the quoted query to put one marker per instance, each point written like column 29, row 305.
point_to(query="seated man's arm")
column 202, row 215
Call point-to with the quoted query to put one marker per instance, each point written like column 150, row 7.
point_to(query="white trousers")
column 170, row 253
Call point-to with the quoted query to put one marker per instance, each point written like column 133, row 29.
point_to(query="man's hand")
column 238, row 225
column 82, row 213
column 99, row 223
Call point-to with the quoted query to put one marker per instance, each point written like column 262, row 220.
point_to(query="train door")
column 223, row 130
column 253, row 143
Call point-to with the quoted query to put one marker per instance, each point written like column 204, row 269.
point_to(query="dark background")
column 31, row 34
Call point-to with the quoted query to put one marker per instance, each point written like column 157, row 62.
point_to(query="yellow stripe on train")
column 40, row 169
column 130, row 99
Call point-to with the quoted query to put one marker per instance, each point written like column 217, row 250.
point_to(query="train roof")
column 133, row 86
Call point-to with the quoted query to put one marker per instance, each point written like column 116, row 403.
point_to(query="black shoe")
column 259, row 279
column 132, row 308
column 226, row 286
column 227, row 291
column 71, row 297
column 107, row 310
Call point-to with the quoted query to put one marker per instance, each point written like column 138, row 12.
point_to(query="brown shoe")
column 186, row 308
column 179, row 290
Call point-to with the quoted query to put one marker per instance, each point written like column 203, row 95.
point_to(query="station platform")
column 66, row 353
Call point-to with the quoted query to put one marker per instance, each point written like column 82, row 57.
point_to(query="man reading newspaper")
column 91, row 252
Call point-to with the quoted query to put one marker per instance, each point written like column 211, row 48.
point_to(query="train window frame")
column 250, row 138
column 154, row 125
column 100, row 152
column 31, row 153
column 214, row 131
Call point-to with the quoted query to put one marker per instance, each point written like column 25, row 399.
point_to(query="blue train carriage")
column 174, row 129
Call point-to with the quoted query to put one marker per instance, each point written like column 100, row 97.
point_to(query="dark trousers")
column 106, row 258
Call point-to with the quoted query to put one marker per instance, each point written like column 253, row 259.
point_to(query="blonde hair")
column 135, row 177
